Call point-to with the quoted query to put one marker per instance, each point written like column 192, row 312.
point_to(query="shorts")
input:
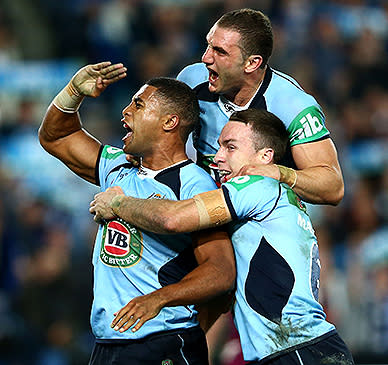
column 182, row 347
column 331, row 350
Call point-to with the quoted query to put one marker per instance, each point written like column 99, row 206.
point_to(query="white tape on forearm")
column 212, row 209
column 68, row 100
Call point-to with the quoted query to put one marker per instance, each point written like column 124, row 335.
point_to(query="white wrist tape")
column 68, row 100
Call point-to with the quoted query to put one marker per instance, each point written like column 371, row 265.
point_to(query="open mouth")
column 225, row 175
column 213, row 76
column 129, row 131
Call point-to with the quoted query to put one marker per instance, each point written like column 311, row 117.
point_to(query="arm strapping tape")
column 212, row 208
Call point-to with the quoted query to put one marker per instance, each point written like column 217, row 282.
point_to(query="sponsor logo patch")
column 122, row 244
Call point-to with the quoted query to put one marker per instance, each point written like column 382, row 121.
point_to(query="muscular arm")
column 319, row 174
column 319, row 177
column 61, row 133
column 214, row 275
column 163, row 216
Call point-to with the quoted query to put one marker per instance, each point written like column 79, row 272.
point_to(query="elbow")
column 44, row 140
column 336, row 194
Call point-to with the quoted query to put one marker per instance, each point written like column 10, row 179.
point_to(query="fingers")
column 112, row 73
column 124, row 319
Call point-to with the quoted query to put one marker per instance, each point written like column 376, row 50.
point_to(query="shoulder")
column 251, row 195
column 110, row 159
column 287, row 99
column 247, row 183
column 194, row 74
column 195, row 180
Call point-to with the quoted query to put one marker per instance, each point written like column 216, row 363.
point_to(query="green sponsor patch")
column 241, row 182
column 122, row 244
column 307, row 126
column 111, row 153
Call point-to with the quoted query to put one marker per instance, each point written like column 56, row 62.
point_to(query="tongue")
column 213, row 76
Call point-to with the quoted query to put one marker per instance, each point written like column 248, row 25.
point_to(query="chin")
column 212, row 88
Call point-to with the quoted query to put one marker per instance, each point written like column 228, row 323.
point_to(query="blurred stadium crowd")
column 336, row 49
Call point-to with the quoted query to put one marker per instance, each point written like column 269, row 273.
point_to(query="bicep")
column 315, row 154
column 81, row 154
column 62, row 136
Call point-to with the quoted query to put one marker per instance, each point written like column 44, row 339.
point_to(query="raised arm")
column 163, row 216
column 61, row 133
column 318, row 178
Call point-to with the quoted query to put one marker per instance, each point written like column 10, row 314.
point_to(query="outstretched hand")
column 92, row 80
column 138, row 311
column 101, row 207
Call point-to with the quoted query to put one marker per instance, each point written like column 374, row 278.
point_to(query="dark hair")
column 178, row 98
column 269, row 131
column 255, row 30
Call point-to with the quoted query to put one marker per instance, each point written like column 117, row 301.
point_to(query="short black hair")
column 178, row 98
column 268, row 129
column 255, row 30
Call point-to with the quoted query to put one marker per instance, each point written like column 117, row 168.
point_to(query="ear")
column 265, row 155
column 253, row 63
column 170, row 121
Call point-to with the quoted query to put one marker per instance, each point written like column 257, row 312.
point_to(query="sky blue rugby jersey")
column 129, row 262
column 278, row 268
column 279, row 93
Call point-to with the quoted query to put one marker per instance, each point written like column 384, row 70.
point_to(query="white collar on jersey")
column 145, row 172
column 228, row 107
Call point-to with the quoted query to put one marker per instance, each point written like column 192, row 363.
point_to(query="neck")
column 164, row 156
column 246, row 92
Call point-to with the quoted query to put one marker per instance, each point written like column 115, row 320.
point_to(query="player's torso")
column 129, row 262
column 278, row 274
column 278, row 93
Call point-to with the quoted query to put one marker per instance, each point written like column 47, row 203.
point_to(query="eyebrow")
column 138, row 99
column 226, row 141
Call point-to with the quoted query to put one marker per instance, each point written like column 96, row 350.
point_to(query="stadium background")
column 337, row 50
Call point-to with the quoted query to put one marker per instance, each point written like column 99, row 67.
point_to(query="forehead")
column 237, row 131
column 145, row 92
column 223, row 37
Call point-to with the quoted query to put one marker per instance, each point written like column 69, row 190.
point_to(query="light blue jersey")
column 278, row 93
column 278, row 268
column 129, row 262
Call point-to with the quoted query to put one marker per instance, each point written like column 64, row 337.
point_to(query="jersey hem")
column 293, row 348
column 118, row 341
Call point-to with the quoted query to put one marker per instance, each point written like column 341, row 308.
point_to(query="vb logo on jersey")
column 122, row 244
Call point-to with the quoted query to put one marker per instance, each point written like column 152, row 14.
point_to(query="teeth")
column 223, row 172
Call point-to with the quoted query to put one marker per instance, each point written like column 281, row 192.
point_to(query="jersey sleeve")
column 110, row 158
column 308, row 126
column 194, row 75
column 251, row 196
column 303, row 116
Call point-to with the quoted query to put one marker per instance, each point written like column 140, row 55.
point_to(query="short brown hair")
column 255, row 30
column 178, row 98
column 269, row 131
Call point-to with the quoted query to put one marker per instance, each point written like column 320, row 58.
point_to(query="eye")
column 137, row 104
column 230, row 147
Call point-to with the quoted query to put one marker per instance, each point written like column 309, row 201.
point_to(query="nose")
column 219, row 157
column 207, row 57
column 126, row 110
